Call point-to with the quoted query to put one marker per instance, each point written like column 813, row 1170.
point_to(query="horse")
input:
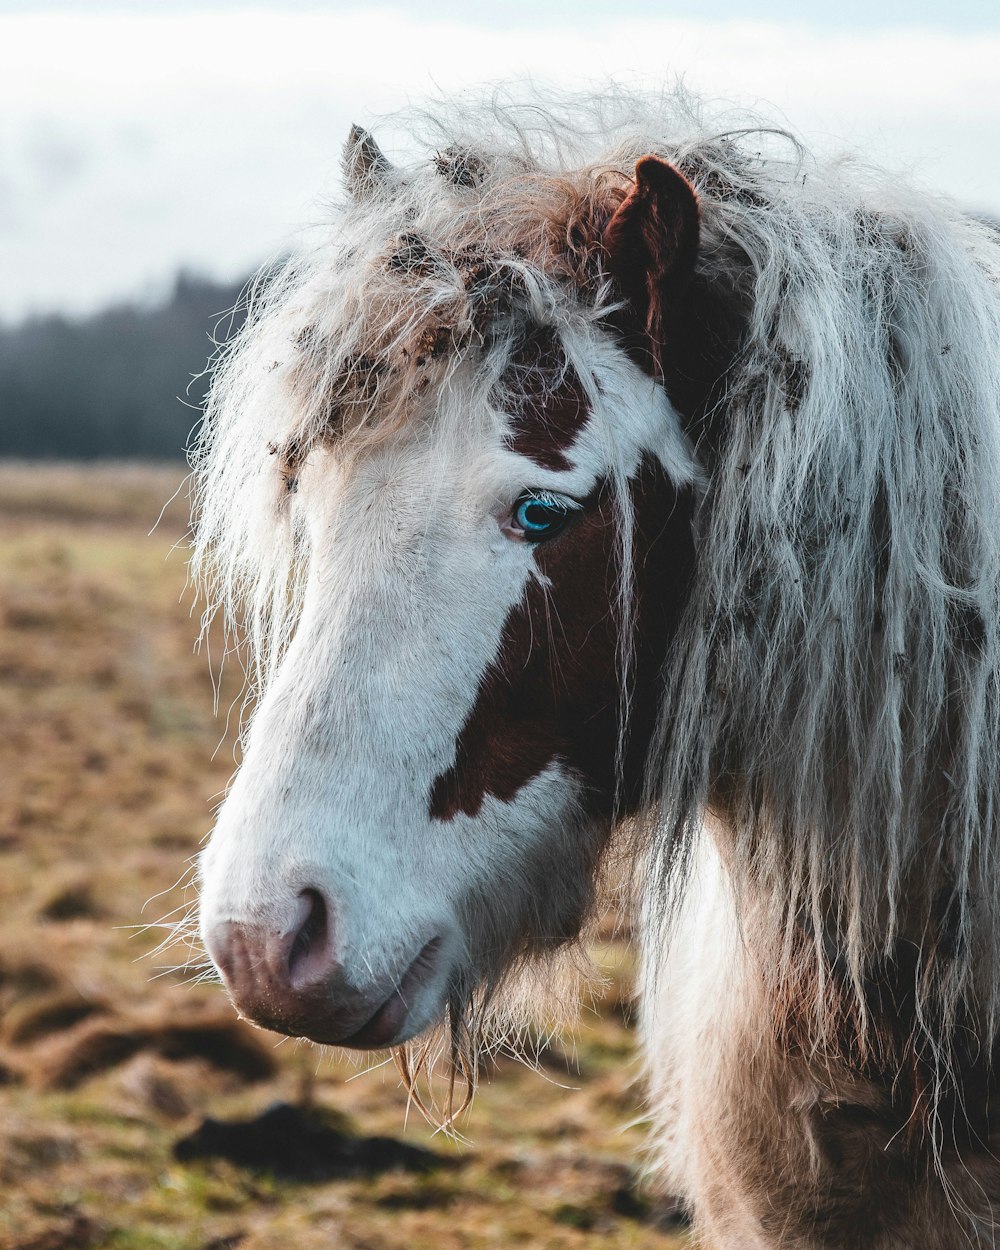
column 613, row 487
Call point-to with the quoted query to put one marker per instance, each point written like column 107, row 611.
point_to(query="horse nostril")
column 310, row 958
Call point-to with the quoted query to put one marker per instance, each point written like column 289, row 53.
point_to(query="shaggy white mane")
column 833, row 692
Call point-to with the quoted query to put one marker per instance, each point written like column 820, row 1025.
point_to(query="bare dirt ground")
column 110, row 758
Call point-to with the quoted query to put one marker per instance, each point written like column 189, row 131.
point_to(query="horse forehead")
column 414, row 305
column 447, row 338
column 545, row 400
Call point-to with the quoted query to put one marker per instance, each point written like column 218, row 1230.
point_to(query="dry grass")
column 109, row 761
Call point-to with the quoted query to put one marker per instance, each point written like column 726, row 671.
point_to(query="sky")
column 139, row 137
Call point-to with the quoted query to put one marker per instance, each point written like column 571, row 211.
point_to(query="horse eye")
column 538, row 517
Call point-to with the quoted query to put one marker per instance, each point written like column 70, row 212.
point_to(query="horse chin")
column 403, row 1016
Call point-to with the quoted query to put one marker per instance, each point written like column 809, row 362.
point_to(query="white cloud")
column 130, row 144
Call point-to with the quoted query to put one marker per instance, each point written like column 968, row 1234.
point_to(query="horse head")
column 490, row 498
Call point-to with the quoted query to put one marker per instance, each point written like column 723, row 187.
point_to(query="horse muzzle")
column 287, row 977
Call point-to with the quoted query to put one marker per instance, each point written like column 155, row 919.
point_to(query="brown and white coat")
column 656, row 480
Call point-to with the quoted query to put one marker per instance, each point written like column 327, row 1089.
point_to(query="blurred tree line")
column 126, row 382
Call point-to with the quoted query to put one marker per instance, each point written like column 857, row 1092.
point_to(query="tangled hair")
column 832, row 695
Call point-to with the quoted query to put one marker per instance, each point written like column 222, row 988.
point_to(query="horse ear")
column 651, row 244
column 366, row 168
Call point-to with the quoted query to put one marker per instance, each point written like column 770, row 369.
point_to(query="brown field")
column 110, row 759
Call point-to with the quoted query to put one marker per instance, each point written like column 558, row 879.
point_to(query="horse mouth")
column 389, row 1020
column 386, row 1026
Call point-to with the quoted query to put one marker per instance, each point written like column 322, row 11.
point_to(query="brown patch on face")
column 546, row 401
column 553, row 692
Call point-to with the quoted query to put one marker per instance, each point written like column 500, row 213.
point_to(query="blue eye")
column 540, row 516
